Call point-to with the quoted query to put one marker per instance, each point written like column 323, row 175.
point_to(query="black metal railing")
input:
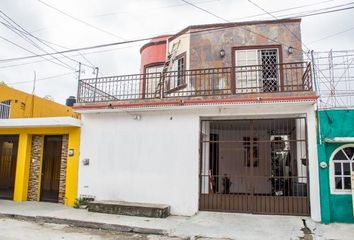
column 285, row 77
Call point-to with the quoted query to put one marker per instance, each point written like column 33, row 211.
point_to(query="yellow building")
column 39, row 148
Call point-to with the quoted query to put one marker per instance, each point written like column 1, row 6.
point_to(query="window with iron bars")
column 343, row 166
column 256, row 70
column 5, row 109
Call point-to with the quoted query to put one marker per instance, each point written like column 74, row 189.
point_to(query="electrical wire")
column 35, row 54
column 128, row 42
column 332, row 35
column 79, row 54
column 319, row 11
column 283, row 10
column 34, row 44
column 24, row 31
column 17, row 31
column 81, row 21
column 41, row 79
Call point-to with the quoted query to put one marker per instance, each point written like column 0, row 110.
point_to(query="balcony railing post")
column 95, row 87
column 162, row 84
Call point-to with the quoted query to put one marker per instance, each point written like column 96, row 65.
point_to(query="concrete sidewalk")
column 204, row 224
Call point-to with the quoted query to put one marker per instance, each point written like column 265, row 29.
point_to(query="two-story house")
column 220, row 118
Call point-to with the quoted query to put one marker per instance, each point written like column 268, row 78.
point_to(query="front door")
column 8, row 159
column 51, row 168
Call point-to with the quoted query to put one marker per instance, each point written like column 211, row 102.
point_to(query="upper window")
column 177, row 77
column 342, row 167
column 5, row 109
column 153, row 75
column 256, row 70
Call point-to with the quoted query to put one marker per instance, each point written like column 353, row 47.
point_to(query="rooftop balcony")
column 213, row 82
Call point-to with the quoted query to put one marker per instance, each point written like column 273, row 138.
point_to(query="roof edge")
column 232, row 24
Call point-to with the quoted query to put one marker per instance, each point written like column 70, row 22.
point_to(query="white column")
column 205, row 156
column 301, row 150
column 313, row 166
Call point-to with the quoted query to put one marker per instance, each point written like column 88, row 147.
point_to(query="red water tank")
column 153, row 52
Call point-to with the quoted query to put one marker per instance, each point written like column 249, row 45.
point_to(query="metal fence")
column 5, row 109
column 286, row 77
column 257, row 166
column 334, row 78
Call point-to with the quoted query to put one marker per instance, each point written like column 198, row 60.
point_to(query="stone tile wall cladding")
column 205, row 48
column 35, row 165
column 63, row 163
column 35, row 168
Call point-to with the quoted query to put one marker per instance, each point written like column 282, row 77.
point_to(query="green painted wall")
column 334, row 123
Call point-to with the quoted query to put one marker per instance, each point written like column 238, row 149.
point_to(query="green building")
column 336, row 161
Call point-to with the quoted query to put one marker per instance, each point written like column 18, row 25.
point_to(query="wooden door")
column 51, row 168
column 8, row 159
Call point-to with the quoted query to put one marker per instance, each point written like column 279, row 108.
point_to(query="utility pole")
column 78, row 83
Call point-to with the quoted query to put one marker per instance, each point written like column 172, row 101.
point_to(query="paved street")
column 22, row 230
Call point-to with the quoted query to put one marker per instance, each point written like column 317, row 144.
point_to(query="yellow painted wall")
column 23, row 159
column 24, row 105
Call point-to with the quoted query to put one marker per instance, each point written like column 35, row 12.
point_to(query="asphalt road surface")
column 11, row 229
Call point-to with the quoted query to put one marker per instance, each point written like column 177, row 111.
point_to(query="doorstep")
column 130, row 208
column 60, row 214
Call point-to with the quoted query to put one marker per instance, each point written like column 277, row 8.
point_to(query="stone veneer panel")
column 35, row 167
column 63, row 164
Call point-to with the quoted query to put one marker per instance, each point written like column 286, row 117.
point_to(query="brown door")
column 254, row 166
column 8, row 159
column 51, row 168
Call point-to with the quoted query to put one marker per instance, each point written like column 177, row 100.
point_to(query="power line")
column 283, row 10
column 19, row 32
column 78, row 49
column 83, row 54
column 319, row 11
column 11, row 27
column 292, row 33
column 41, row 79
column 32, row 43
column 204, row 10
column 35, row 54
column 81, row 21
column 332, row 35
column 128, row 42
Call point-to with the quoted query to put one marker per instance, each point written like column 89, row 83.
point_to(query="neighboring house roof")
column 25, row 105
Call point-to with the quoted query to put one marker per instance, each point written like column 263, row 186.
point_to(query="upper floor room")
column 256, row 59
column 17, row 104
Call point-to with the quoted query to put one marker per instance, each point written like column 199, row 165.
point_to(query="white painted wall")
column 152, row 160
column 156, row 159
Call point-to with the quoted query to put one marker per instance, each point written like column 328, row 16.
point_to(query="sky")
column 83, row 23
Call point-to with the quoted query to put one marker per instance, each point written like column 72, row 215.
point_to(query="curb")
column 85, row 224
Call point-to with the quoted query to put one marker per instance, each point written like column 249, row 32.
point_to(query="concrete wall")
column 152, row 160
column 334, row 123
column 156, row 159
